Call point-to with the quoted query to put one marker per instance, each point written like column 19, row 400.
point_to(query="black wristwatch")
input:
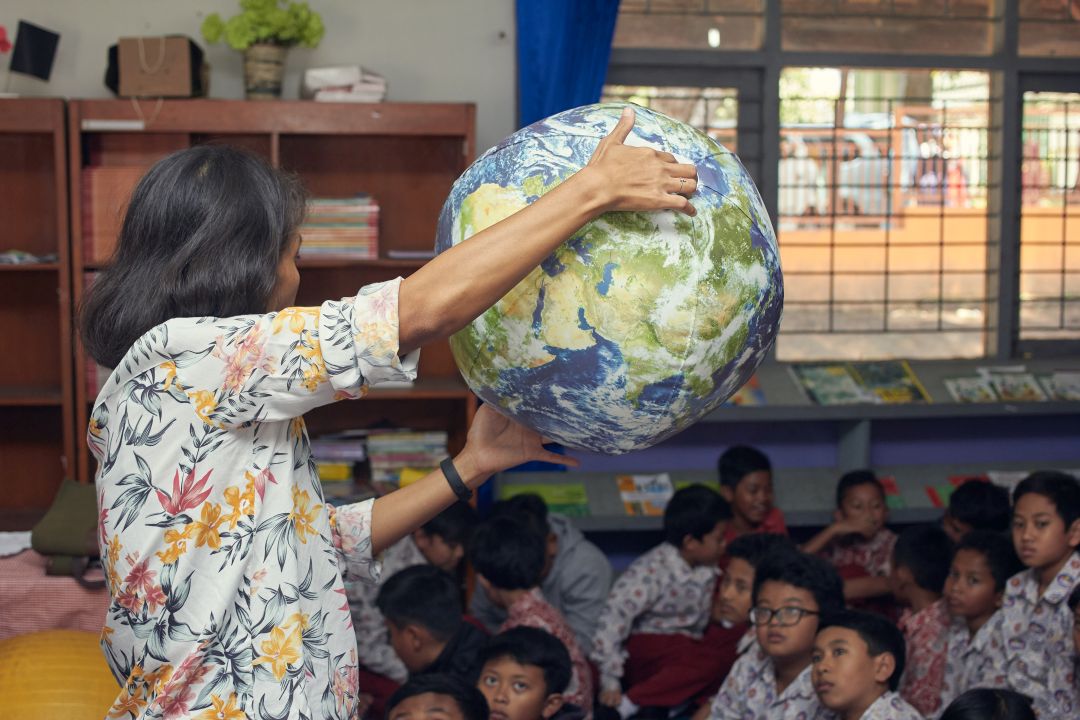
column 464, row 494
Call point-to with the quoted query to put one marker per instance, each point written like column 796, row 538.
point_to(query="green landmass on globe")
column 642, row 322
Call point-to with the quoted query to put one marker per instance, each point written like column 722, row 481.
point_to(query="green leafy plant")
column 266, row 21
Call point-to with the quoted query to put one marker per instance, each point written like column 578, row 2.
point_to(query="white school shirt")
column 891, row 706
column 749, row 693
column 223, row 561
column 973, row 661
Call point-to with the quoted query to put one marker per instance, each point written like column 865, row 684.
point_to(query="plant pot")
column 264, row 66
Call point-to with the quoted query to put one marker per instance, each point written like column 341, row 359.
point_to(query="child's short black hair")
column 530, row 505
column 532, row 646
column 422, row 595
column 809, row 572
column 739, row 461
column 754, row 547
column 1059, row 488
column 982, row 505
column 509, row 552
column 999, row 553
column 694, row 511
column 927, row 552
column 470, row 700
column 880, row 636
column 454, row 524
column 1074, row 598
column 854, row 479
column 989, row 704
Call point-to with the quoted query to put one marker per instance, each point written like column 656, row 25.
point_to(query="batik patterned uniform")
column 1038, row 641
column 372, row 641
column 749, row 693
column 925, row 635
column 658, row 594
column 873, row 555
column 973, row 661
column 221, row 556
column 534, row 611
column 891, row 706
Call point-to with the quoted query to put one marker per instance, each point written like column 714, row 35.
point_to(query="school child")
column 857, row 543
column 989, row 704
column 196, row 310
column 445, row 697
column 921, row 561
column 524, row 673
column 1037, row 628
column 981, row 566
column 858, row 661
column 424, row 618
column 745, row 475
column 771, row 680
column 576, row 577
column 977, row 505
column 508, row 555
column 439, row 542
column 659, row 607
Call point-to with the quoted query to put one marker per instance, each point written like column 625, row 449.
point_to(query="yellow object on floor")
column 55, row 675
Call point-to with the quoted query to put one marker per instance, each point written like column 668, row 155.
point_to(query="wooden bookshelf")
column 405, row 155
column 37, row 446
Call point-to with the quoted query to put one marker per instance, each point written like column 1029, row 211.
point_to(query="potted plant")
column 264, row 30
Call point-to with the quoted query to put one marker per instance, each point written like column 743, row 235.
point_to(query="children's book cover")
column 971, row 390
column 645, row 494
column 1062, row 385
column 891, row 381
column 831, row 384
column 1017, row 387
column 568, row 499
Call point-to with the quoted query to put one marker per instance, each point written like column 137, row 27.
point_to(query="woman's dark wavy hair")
column 203, row 235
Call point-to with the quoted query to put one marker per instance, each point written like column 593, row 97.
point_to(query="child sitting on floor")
column 857, row 543
column 792, row 591
column 921, row 561
column 858, row 661
column 1038, row 623
column 647, row 635
column 981, row 566
column 977, row 505
column 745, row 475
column 508, row 555
column 423, row 610
column 523, row 674
column 990, row 704
column 437, row 697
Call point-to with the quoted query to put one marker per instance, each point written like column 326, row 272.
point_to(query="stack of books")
column 105, row 194
column 341, row 228
column 337, row 458
column 402, row 455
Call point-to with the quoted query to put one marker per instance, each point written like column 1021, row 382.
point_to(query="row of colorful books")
column 341, row 228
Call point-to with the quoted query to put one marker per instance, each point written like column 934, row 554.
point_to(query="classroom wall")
column 428, row 50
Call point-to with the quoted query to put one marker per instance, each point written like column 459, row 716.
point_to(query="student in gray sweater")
column 577, row 575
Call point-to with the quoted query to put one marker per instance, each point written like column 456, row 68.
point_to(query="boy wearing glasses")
column 771, row 680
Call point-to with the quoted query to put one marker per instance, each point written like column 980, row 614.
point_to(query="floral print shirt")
column 372, row 640
column 660, row 593
column 873, row 555
column 1037, row 633
column 534, row 611
column 973, row 661
column 749, row 693
column 223, row 561
column 924, row 633
column 891, row 706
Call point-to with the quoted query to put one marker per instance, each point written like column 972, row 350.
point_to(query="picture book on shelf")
column 830, row 384
column 971, row 390
column 890, row 381
column 568, row 499
column 645, row 494
column 1014, row 384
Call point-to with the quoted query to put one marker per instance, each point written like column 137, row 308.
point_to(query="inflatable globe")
column 642, row 322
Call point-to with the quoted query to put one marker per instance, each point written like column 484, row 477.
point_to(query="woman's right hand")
column 640, row 178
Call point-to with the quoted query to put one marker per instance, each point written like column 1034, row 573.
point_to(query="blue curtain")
column 563, row 51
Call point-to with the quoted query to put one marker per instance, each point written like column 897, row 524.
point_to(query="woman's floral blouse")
column 223, row 560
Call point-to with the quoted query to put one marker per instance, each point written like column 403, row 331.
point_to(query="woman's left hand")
column 496, row 442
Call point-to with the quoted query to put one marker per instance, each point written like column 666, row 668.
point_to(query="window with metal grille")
column 700, row 24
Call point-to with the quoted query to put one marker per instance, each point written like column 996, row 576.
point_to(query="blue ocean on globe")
column 642, row 322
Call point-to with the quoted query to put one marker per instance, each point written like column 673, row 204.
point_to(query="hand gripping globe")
column 642, row 322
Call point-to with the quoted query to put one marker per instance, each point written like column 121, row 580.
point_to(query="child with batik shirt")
column 857, row 543
column 660, row 604
column 1037, row 628
column 981, row 566
column 771, row 680
column 508, row 555
column 746, row 482
column 921, row 563
column 858, row 661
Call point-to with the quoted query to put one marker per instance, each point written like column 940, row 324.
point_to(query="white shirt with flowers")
column 1037, row 637
column 973, row 661
column 660, row 593
column 223, row 561
column 891, row 706
column 749, row 693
